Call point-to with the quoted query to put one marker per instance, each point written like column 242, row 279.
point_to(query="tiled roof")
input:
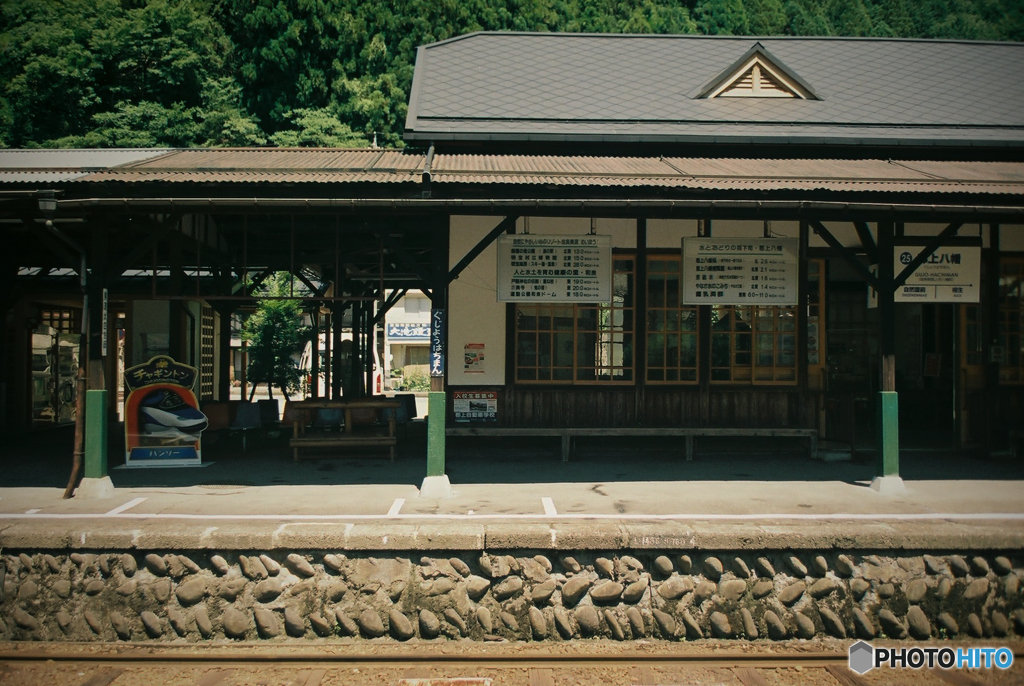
column 494, row 86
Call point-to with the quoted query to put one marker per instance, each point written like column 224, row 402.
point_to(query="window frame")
column 577, row 372
column 685, row 312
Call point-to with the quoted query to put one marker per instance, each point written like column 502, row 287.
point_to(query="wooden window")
column 62, row 320
column 753, row 344
column 1011, row 320
column 816, row 322
column 572, row 343
column 206, row 354
column 672, row 341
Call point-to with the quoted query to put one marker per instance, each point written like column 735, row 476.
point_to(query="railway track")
column 509, row 665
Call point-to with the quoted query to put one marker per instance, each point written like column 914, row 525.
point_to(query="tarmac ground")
column 736, row 493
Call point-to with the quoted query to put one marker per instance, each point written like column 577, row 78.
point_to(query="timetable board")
column 740, row 271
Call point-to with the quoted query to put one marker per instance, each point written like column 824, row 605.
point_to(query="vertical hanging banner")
column 162, row 421
column 740, row 271
column 554, row 269
column 437, row 323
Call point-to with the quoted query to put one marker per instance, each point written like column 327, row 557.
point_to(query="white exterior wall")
column 1011, row 237
column 474, row 313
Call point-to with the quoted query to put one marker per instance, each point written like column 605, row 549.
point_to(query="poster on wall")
column 162, row 421
column 475, row 406
column 474, row 359
column 740, row 271
column 554, row 269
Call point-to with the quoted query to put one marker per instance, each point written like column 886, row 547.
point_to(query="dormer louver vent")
column 757, row 75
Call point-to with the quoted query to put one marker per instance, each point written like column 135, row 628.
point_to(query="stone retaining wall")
column 773, row 595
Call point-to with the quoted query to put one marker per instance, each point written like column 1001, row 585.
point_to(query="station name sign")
column 949, row 275
column 740, row 271
column 554, row 269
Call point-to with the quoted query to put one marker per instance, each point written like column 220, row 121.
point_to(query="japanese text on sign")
column 740, row 271
column 948, row 275
column 437, row 323
column 554, row 269
column 475, row 406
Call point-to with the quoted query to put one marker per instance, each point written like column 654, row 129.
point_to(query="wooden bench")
column 354, row 433
column 689, row 433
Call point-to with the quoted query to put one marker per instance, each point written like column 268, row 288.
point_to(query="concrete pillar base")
column 888, row 485
column 436, row 487
column 96, row 488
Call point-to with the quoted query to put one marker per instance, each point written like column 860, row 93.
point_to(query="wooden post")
column 437, row 402
column 888, row 405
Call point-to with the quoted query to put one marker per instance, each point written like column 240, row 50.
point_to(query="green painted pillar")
column 436, row 411
column 95, row 434
column 888, row 434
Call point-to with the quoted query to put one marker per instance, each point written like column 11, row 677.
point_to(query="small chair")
column 247, row 418
column 269, row 411
column 295, row 412
column 406, row 412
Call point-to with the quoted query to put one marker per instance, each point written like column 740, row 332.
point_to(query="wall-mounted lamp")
column 47, row 203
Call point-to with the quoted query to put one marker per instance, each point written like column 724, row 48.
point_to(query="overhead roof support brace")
column 848, row 255
column 502, row 227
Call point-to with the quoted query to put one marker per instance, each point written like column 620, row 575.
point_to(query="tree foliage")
column 274, row 334
column 102, row 73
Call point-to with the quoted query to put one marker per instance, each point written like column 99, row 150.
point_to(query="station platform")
column 518, row 494
column 627, row 541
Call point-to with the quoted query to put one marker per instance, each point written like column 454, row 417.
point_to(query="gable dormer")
column 758, row 74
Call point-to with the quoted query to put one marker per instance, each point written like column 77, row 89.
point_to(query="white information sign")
column 740, row 271
column 949, row 275
column 554, row 269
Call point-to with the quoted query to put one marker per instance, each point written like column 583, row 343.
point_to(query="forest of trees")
column 186, row 73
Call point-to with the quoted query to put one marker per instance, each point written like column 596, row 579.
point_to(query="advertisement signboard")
column 740, row 271
column 554, row 269
column 162, row 420
column 475, row 406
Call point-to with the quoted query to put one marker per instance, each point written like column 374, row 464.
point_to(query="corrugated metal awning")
column 374, row 166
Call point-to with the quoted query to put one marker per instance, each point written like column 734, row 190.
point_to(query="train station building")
column 619, row 235
column 631, row 248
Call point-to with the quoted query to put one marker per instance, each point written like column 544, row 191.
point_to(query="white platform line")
column 549, row 506
column 396, row 507
column 127, row 506
column 756, row 517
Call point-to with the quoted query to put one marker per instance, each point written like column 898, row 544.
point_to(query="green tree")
column 767, row 17
column 274, row 335
column 319, row 128
column 87, row 72
column 807, row 19
column 722, row 18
